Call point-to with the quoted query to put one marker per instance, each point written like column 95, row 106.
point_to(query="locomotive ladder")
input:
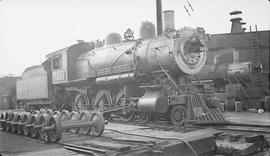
column 256, row 58
column 242, row 94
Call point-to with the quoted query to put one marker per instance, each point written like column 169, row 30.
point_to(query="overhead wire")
column 194, row 13
column 189, row 14
column 190, row 10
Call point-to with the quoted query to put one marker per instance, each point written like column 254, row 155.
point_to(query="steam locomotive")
column 124, row 78
column 238, row 61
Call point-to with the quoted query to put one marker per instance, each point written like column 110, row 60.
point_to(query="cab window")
column 57, row 62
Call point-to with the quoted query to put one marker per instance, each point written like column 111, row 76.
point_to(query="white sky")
column 30, row 29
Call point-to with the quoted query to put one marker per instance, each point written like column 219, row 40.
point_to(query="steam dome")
column 147, row 30
column 113, row 38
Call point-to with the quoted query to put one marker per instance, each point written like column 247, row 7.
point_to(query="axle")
column 87, row 121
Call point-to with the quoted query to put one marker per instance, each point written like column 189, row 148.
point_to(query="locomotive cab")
column 63, row 62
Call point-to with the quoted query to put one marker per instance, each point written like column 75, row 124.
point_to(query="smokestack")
column 159, row 17
column 168, row 21
column 236, row 25
column 236, row 22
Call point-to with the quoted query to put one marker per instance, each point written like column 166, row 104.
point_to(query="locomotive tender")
column 128, row 77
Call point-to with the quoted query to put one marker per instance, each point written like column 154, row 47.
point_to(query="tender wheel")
column 144, row 118
column 74, row 116
column 99, row 125
column 85, row 116
column 178, row 115
column 55, row 134
column 27, row 119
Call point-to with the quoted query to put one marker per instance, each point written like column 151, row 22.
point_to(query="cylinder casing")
column 153, row 101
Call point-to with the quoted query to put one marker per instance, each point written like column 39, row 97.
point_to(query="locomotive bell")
column 113, row 38
column 147, row 30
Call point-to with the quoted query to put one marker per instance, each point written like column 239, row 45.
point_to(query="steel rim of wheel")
column 34, row 121
column 81, row 102
column 49, row 111
column 22, row 120
column 85, row 117
column 43, row 121
column 10, row 118
column 178, row 115
column 26, row 131
column 74, row 116
column 52, row 134
column 14, row 127
column 3, row 125
column 8, row 127
column 65, row 115
column 57, row 113
column 98, row 128
column 103, row 101
column 126, row 114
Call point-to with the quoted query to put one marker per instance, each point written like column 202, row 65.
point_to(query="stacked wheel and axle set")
column 48, row 125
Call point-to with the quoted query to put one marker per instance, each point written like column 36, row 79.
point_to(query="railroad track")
column 163, row 125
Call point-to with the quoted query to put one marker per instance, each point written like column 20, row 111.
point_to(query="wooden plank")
column 75, row 139
column 54, row 152
column 86, row 148
column 81, row 150
column 108, row 145
column 135, row 139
